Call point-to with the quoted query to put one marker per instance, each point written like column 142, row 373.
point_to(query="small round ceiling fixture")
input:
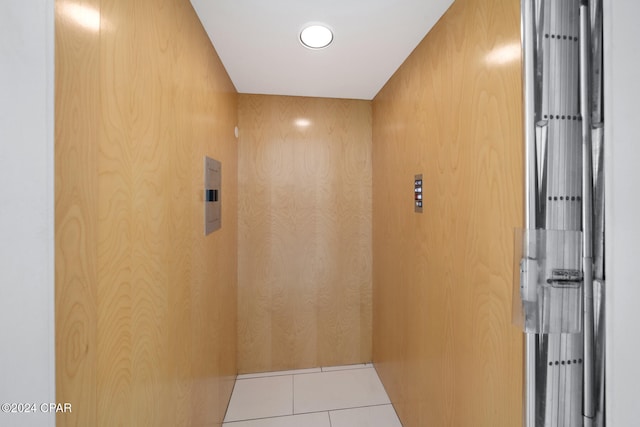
column 316, row 36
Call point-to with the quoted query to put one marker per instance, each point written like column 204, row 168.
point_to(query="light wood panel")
column 76, row 213
column 443, row 342
column 145, row 303
column 304, row 278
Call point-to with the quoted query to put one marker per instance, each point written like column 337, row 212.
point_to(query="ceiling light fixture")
column 302, row 123
column 316, row 36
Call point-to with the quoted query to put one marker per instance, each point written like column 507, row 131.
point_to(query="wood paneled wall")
column 304, row 278
column 443, row 341
column 145, row 303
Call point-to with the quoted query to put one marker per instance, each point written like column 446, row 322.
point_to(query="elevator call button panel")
column 212, row 199
column 417, row 193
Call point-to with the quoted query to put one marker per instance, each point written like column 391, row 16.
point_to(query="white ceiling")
column 257, row 41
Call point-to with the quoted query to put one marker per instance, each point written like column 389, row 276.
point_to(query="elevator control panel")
column 212, row 199
column 417, row 193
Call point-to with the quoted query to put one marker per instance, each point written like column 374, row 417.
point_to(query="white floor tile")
column 370, row 416
column 343, row 367
column 260, row 398
column 278, row 373
column 318, row 419
column 338, row 390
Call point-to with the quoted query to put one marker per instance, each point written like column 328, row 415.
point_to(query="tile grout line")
column 293, row 395
column 351, row 407
column 284, row 373
column 328, row 411
column 321, row 369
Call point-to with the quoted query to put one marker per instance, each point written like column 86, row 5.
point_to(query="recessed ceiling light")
column 302, row 123
column 316, row 36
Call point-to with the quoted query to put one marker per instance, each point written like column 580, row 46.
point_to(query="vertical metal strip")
column 587, row 213
column 528, row 49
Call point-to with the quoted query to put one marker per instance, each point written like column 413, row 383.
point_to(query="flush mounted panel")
column 417, row 193
column 212, row 195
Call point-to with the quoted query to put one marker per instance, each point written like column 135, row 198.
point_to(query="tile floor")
column 337, row 396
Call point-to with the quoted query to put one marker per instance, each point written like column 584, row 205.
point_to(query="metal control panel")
column 417, row 193
column 212, row 195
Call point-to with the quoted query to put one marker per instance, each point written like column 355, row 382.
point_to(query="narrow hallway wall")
column 145, row 303
column 443, row 341
column 304, row 265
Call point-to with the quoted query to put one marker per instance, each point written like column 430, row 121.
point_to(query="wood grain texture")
column 145, row 303
column 443, row 342
column 76, row 212
column 304, row 278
